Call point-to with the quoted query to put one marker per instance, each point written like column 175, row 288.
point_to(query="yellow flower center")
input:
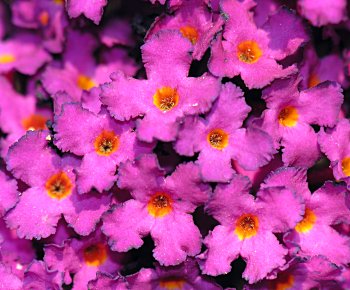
column 307, row 222
column 345, row 166
column 172, row 283
column 160, row 205
column 95, row 255
column 218, row 139
column 246, row 226
column 249, row 51
column 106, row 143
column 190, row 33
column 59, row 185
column 166, row 98
column 85, row 82
column 288, row 117
column 7, row 58
column 34, row 122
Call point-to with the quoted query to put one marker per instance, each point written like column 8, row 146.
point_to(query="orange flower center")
column 307, row 222
column 7, row 58
column 95, row 255
column 246, row 226
column 58, row 2
column 218, row 139
column 248, row 51
column 59, row 185
column 44, row 18
column 313, row 80
column 166, row 98
column 106, row 143
column 190, row 33
column 288, row 117
column 172, row 283
column 85, row 82
column 34, row 122
column 345, row 166
column 284, row 281
column 160, row 205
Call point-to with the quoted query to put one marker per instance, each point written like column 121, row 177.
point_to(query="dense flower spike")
column 174, row 144
column 247, row 226
column 160, row 207
column 167, row 95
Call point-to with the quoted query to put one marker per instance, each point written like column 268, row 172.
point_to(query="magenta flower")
column 184, row 276
column 46, row 17
column 9, row 194
column 219, row 138
column 290, row 114
column 106, row 281
column 103, row 142
column 16, row 253
column 83, row 258
column 316, row 272
column 328, row 12
column 334, row 143
column 194, row 21
column 167, row 95
column 161, row 206
column 315, row 70
column 92, row 10
column 8, row 279
column 37, row 277
column 117, row 32
column 253, row 52
column 247, row 226
column 51, row 192
column 79, row 70
column 22, row 53
column 314, row 234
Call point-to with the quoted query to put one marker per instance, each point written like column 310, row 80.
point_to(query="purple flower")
column 167, row 95
column 51, row 192
column 37, row 277
column 316, row 272
column 334, row 143
column 106, row 281
column 252, row 52
column 314, row 235
column 47, row 17
column 103, row 142
column 24, row 53
column 184, row 276
column 290, row 114
column 8, row 279
column 194, row 21
column 327, row 12
column 220, row 138
column 92, row 10
column 247, row 226
column 161, row 207
column 83, row 258
column 79, row 71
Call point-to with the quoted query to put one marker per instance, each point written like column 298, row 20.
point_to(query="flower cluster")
column 174, row 144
